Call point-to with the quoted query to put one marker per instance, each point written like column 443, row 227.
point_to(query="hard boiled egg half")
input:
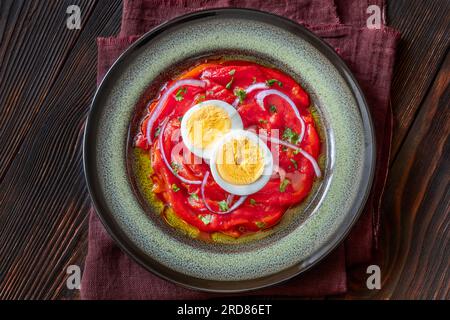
column 206, row 123
column 241, row 163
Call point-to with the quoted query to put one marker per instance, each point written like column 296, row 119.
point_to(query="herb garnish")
column 206, row 219
column 241, row 94
column 223, row 205
column 271, row 82
column 252, row 202
column 201, row 98
column 175, row 166
column 179, row 96
column 157, row 132
column 175, row 188
column 228, row 86
column 290, row 136
column 284, row 184
column 232, row 72
column 294, row 163
column 193, row 196
column 273, row 109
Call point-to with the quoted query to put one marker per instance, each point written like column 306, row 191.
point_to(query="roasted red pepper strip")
column 265, row 208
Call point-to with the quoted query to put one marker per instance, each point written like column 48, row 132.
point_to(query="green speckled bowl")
column 318, row 226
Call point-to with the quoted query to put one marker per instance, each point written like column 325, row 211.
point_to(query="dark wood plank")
column 425, row 28
column 36, row 46
column 416, row 214
column 44, row 201
column 416, row 211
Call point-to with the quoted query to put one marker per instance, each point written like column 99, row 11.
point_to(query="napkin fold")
column 370, row 53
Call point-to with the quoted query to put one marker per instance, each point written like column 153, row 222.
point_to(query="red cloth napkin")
column 111, row 274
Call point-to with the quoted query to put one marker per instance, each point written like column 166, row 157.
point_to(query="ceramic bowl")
column 312, row 230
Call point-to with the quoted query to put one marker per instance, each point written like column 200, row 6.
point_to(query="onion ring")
column 163, row 154
column 303, row 152
column 263, row 94
column 162, row 101
column 253, row 87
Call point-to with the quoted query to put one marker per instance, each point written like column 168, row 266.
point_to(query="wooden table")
column 47, row 80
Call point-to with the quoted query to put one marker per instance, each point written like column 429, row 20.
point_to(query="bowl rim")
column 216, row 286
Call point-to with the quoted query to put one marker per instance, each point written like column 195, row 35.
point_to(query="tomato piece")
column 300, row 96
column 311, row 142
column 233, row 76
column 252, row 114
column 197, row 70
column 218, row 92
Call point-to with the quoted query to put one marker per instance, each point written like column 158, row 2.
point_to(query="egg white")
column 242, row 190
column 235, row 118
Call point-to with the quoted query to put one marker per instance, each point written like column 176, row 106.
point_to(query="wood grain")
column 32, row 57
column 47, row 79
column 425, row 29
column 44, row 202
column 416, row 210
column 417, row 206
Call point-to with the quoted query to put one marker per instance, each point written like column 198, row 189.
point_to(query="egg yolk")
column 240, row 161
column 206, row 125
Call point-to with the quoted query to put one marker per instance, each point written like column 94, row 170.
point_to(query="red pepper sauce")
column 288, row 186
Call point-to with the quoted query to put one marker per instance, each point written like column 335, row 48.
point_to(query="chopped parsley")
column 283, row 185
column 241, row 94
column 273, row 109
column 252, row 202
column 296, row 151
column 179, row 96
column 206, row 219
column 201, row 98
column 290, row 136
column 175, row 166
column 260, row 224
column 294, row 163
column 223, row 205
column 232, row 72
column 157, row 132
column 228, row 86
column 271, row 82
column 262, row 121
column 175, row 188
column 193, row 196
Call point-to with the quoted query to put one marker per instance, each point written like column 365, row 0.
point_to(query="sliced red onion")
column 303, row 152
column 253, row 87
column 234, row 207
column 163, row 154
column 230, row 199
column 163, row 100
column 263, row 94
